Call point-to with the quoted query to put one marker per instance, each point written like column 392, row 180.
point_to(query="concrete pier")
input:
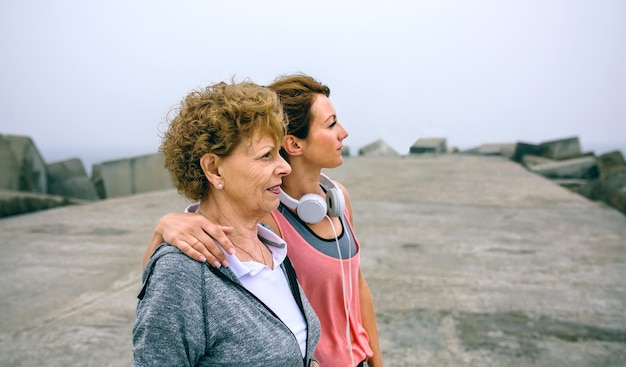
column 472, row 261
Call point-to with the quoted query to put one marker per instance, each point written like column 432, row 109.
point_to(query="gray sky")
column 95, row 79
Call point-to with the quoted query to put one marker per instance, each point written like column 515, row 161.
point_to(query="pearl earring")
column 220, row 186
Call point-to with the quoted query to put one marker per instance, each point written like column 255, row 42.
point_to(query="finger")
column 220, row 235
column 204, row 245
column 212, row 252
column 211, row 236
column 189, row 249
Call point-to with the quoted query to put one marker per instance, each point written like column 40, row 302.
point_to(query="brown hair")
column 297, row 93
column 215, row 120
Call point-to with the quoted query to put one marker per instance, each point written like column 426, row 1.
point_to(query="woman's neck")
column 244, row 229
column 301, row 182
column 244, row 235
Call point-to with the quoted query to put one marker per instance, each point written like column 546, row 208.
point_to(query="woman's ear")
column 210, row 166
column 292, row 145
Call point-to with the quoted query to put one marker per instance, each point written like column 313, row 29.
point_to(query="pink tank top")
column 321, row 279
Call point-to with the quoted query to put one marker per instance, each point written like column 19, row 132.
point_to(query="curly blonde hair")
column 215, row 120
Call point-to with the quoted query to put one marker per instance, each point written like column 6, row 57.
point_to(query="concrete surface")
column 472, row 261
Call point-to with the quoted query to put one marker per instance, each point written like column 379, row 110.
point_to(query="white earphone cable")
column 346, row 302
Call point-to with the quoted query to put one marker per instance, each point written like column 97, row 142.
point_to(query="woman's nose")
column 344, row 133
column 283, row 168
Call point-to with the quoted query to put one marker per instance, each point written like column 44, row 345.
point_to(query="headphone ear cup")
column 335, row 202
column 312, row 208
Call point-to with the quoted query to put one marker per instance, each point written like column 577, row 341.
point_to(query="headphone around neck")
column 312, row 208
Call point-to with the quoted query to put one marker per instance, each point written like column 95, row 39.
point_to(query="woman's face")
column 324, row 144
column 252, row 175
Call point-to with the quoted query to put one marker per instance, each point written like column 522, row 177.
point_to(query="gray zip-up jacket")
column 189, row 314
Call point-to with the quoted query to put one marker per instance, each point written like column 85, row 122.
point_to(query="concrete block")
column 378, row 148
column 75, row 187
column 429, row 145
column 522, row 149
column 617, row 198
column 21, row 202
column 10, row 177
column 572, row 184
column 530, row 160
column 150, row 174
column 503, row 149
column 611, row 162
column 603, row 187
column 498, row 149
column 60, row 170
column 610, row 189
column 579, row 168
column 31, row 168
column 561, row 148
column 97, row 180
column 130, row 176
column 69, row 178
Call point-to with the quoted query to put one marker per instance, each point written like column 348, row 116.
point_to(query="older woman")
column 222, row 150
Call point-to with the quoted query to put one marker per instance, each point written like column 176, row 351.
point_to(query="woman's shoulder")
column 343, row 189
column 169, row 259
column 170, row 272
column 346, row 197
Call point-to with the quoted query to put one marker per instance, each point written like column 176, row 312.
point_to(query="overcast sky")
column 95, row 79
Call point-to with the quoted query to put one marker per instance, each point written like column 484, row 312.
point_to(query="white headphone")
column 312, row 208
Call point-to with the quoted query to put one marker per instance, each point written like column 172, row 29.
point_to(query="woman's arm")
column 368, row 318
column 194, row 235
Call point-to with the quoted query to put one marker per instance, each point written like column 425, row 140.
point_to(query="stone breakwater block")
column 530, row 160
column 498, row 149
column 69, row 178
column 20, row 202
column 67, row 168
column 429, row 145
column 572, row 184
column 378, row 148
column 562, row 148
column 618, row 199
column 579, row 168
column 27, row 165
column 609, row 188
column 131, row 176
column 10, row 177
column 611, row 162
column 503, row 149
column 522, row 149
